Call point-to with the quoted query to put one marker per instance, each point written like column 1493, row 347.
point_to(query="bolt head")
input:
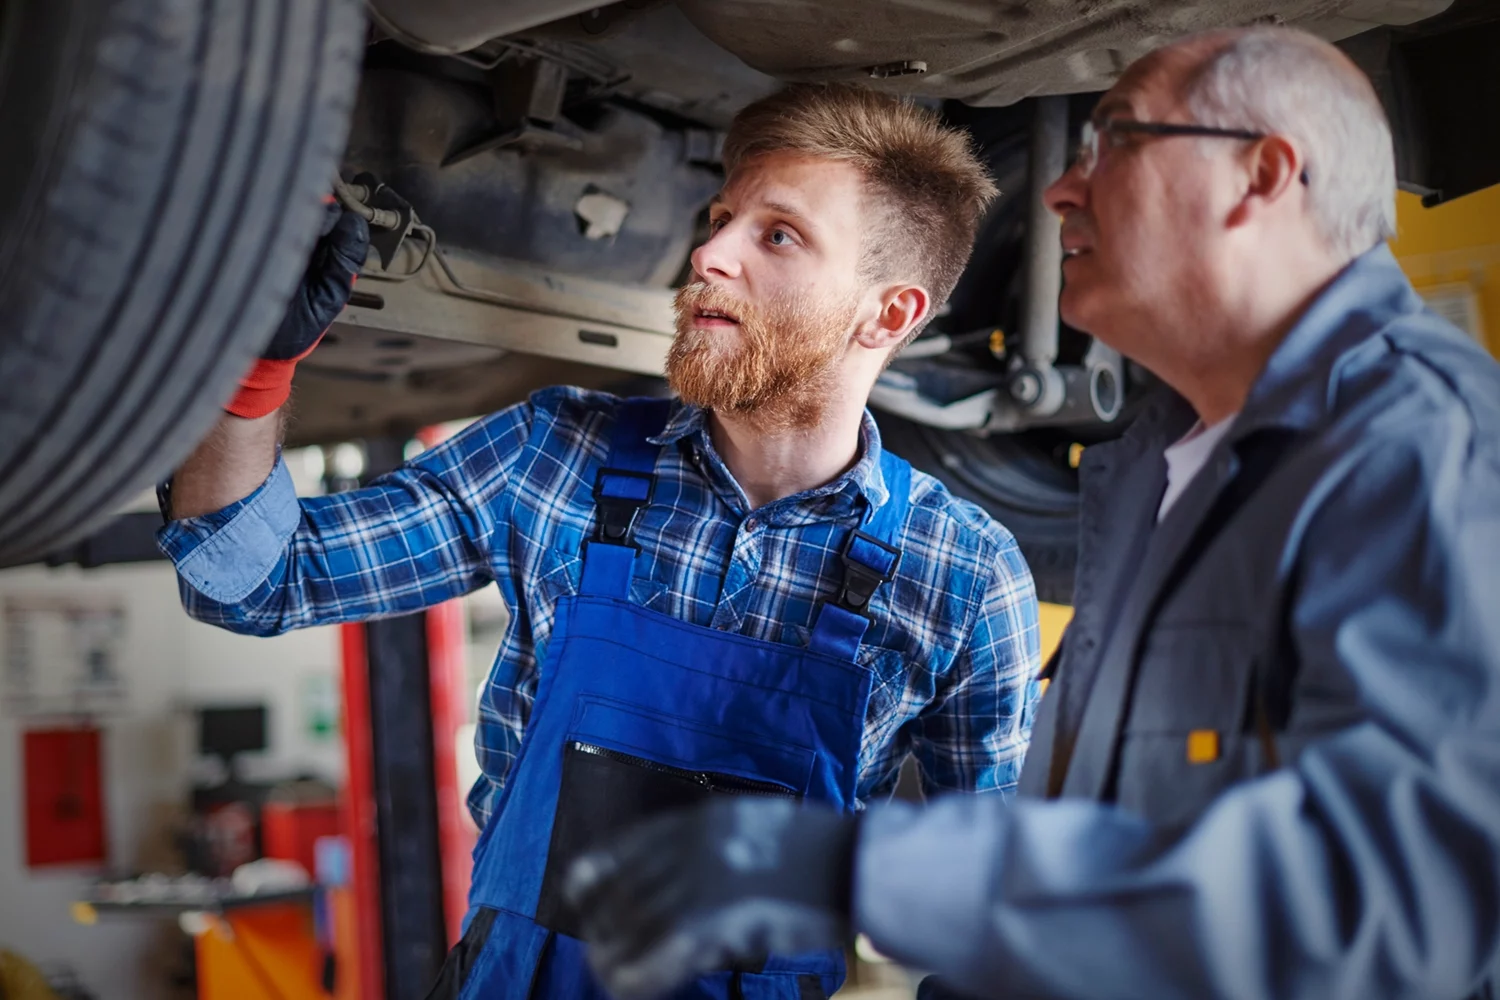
column 1026, row 387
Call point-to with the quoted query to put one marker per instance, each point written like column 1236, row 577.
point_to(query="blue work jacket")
column 1269, row 761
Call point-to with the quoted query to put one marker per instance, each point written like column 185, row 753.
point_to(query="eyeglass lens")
column 1088, row 149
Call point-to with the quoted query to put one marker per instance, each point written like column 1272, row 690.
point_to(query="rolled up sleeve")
column 411, row 539
column 224, row 555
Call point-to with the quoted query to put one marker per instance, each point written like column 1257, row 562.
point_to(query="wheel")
column 1024, row 481
column 161, row 183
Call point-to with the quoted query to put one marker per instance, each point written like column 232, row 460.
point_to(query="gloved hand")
column 336, row 261
column 693, row 892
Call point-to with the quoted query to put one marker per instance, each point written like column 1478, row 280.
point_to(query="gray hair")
column 1290, row 83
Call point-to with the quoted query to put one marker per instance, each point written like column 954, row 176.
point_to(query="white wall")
column 171, row 664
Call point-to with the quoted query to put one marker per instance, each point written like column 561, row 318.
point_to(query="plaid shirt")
column 953, row 648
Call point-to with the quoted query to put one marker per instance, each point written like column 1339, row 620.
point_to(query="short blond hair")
column 929, row 187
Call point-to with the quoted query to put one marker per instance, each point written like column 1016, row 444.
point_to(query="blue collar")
column 1296, row 388
column 863, row 479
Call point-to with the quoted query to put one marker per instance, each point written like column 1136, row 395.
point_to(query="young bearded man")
column 737, row 593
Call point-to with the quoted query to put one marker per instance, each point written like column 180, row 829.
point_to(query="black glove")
column 336, row 262
column 337, row 258
column 936, row 988
column 694, row 892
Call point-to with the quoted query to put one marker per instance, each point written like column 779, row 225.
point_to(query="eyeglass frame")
column 1089, row 140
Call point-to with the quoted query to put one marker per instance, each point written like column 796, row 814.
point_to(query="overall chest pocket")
column 622, row 764
column 561, row 572
column 1185, row 738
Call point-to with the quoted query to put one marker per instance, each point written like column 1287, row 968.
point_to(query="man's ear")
column 901, row 309
column 1276, row 170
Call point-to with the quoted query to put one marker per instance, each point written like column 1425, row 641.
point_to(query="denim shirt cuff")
column 227, row 554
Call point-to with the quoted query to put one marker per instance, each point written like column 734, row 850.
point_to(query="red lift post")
column 444, row 636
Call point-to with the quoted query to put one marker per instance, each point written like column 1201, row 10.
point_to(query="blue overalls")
column 637, row 713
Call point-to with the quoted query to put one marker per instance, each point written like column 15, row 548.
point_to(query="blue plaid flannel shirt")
column 954, row 647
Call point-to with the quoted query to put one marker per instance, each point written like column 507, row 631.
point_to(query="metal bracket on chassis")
column 514, row 307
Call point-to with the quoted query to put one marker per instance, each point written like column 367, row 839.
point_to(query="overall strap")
column 623, row 488
column 870, row 558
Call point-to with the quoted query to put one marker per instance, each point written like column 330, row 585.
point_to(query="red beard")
column 777, row 367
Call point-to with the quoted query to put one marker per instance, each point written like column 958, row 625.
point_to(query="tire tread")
column 158, row 310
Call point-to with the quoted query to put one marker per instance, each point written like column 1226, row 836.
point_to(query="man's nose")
column 1068, row 193
column 718, row 259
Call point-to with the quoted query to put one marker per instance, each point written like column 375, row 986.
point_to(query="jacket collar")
column 1296, row 389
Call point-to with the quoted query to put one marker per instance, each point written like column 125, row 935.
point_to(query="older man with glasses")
column 1269, row 761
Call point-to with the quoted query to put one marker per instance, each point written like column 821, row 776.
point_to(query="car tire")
column 1021, row 480
column 161, row 184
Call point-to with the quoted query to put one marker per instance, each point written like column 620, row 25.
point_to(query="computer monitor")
column 228, row 730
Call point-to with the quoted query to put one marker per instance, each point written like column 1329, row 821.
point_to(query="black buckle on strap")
column 617, row 515
column 861, row 581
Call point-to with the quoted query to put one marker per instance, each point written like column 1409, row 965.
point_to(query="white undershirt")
column 1186, row 459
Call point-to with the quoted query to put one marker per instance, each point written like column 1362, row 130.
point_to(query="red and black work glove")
column 336, row 261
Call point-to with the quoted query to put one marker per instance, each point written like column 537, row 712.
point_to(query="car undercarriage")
column 545, row 166
column 562, row 167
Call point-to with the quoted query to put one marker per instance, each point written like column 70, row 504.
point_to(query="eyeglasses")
column 1111, row 134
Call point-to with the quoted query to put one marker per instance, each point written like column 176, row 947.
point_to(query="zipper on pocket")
column 727, row 784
